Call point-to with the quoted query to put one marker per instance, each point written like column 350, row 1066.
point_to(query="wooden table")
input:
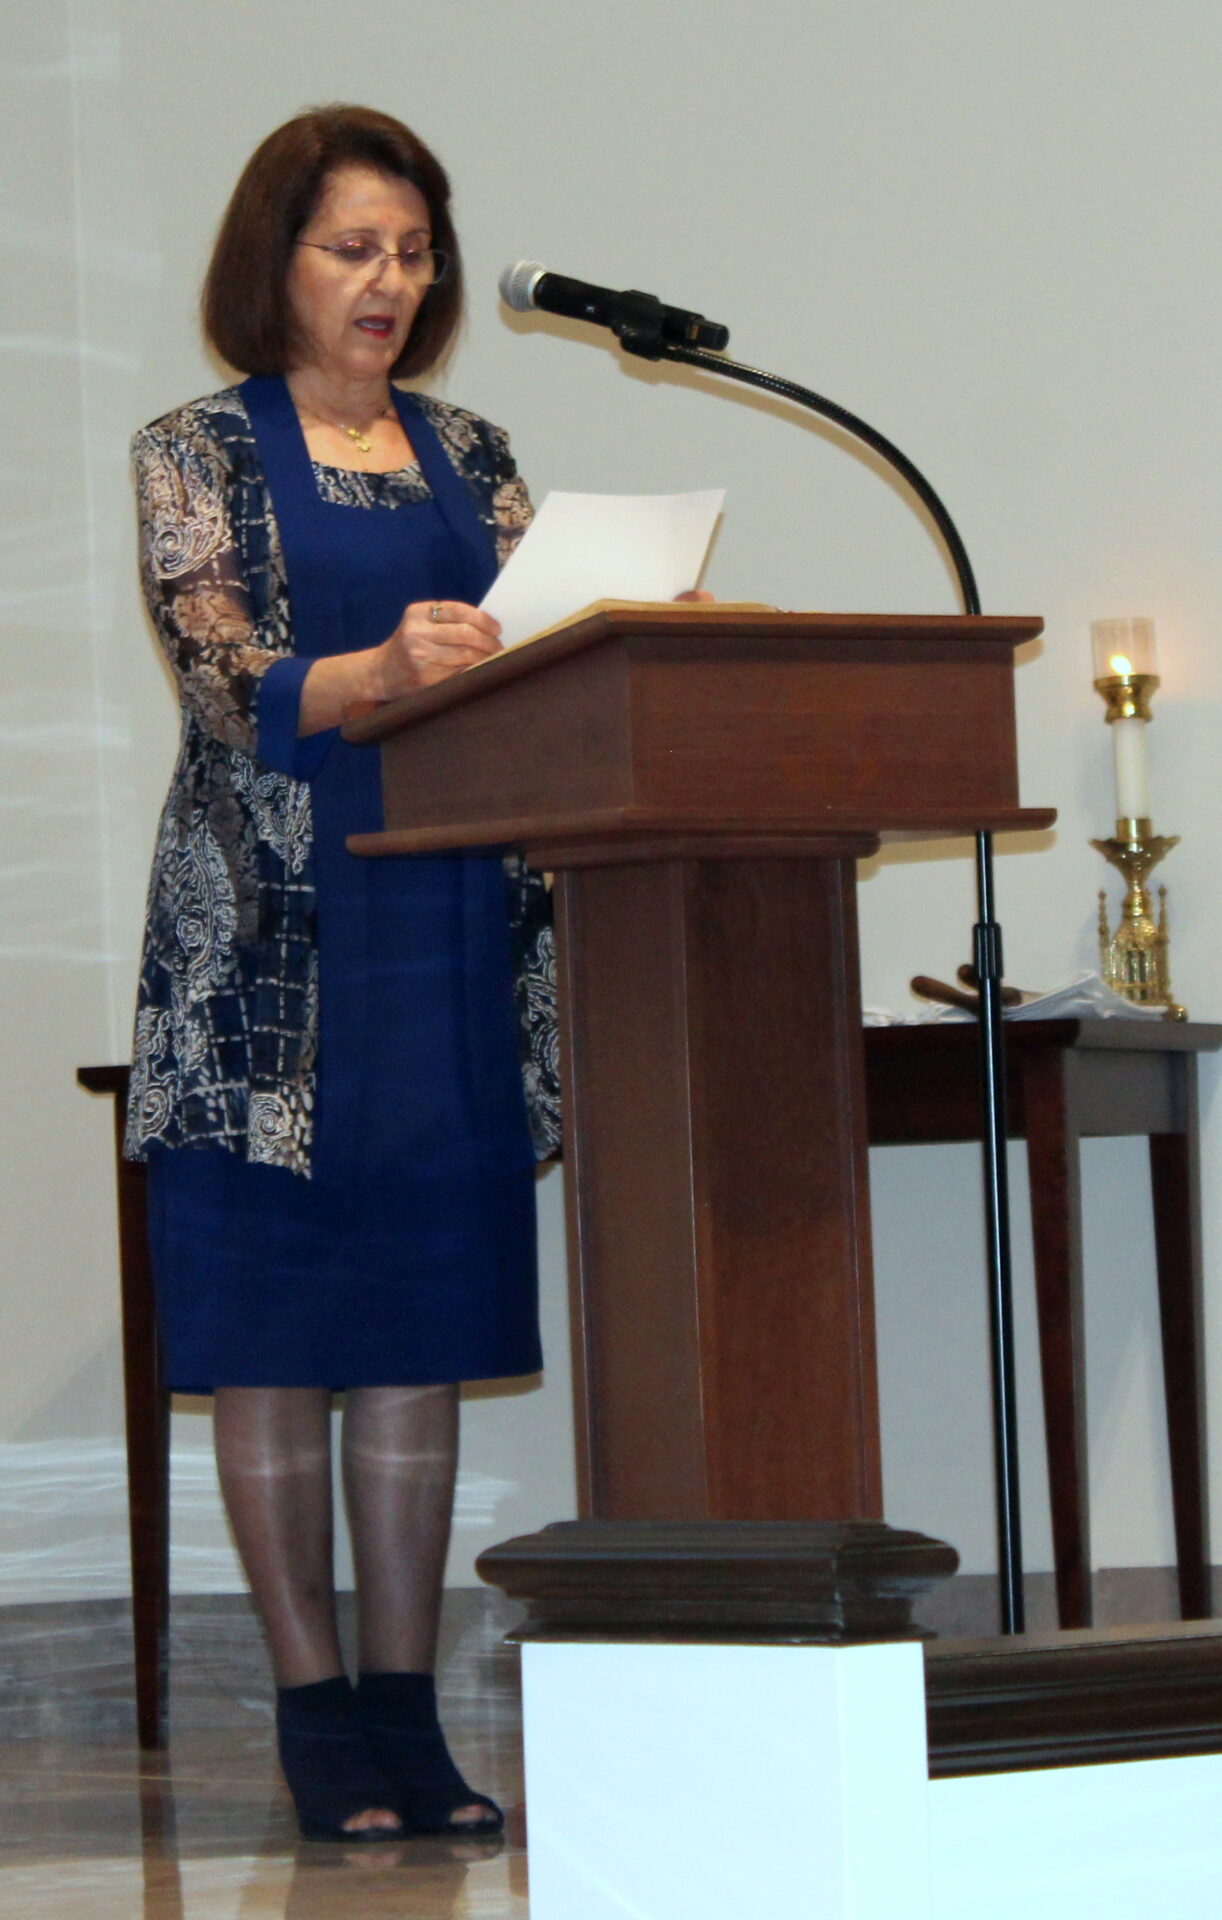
column 1068, row 1080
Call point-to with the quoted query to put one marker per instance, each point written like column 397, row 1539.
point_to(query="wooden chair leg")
column 147, row 1407
column 1056, row 1219
column 148, row 1474
column 1174, row 1179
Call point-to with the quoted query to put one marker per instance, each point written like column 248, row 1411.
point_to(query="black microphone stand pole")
column 647, row 341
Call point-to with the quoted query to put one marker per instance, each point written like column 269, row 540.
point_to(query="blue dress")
column 408, row 1257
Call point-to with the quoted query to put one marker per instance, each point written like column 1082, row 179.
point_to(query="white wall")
column 987, row 226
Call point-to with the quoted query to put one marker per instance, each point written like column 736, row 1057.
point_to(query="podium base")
column 832, row 1582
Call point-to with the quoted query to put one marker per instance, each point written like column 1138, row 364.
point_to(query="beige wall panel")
column 986, row 227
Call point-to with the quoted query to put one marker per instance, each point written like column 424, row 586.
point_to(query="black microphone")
column 639, row 320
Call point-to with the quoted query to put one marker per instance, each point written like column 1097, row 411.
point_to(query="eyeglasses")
column 418, row 263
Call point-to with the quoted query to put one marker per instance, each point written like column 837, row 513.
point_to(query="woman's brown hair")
column 245, row 304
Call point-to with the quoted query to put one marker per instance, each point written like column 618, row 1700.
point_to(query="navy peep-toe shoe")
column 398, row 1712
column 327, row 1762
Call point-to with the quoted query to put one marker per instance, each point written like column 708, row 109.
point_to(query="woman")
column 329, row 1064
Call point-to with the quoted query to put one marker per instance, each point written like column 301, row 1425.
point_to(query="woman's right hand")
column 434, row 639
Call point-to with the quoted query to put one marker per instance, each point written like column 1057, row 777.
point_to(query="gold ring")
column 435, row 611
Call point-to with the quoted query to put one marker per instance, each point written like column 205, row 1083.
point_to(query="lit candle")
column 1125, row 664
column 1123, row 648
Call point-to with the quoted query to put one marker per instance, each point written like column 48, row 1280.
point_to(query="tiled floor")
column 91, row 1827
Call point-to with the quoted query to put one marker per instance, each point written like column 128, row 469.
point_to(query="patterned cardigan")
column 227, row 1013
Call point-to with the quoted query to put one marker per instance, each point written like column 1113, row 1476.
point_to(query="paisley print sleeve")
column 481, row 454
column 192, row 577
column 511, row 506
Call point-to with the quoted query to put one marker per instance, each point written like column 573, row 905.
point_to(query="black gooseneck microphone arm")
column 987, row 959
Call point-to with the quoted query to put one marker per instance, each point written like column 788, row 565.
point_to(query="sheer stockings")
column 399, row 1454
column 399, row 1450
column 273, row 1456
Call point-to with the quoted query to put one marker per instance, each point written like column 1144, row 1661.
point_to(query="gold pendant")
column 362, row 440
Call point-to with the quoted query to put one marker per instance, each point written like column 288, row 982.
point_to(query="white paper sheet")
column 1085, row 997
column 602, row 546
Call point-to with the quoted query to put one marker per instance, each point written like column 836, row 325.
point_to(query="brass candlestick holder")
column 1135, row 961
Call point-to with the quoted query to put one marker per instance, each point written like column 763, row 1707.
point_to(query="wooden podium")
column 702, row 782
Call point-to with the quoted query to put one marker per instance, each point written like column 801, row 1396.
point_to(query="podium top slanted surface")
column 707, row 720
column 732, row 630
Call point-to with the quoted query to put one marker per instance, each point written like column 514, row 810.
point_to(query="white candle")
column 1132, row 772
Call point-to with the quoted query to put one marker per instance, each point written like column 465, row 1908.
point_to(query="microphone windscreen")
column 517, row 284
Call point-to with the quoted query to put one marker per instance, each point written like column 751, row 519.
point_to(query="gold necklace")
column 359, row 436
column 361, row 439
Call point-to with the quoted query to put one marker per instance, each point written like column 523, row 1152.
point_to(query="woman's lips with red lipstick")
column 381, row 325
